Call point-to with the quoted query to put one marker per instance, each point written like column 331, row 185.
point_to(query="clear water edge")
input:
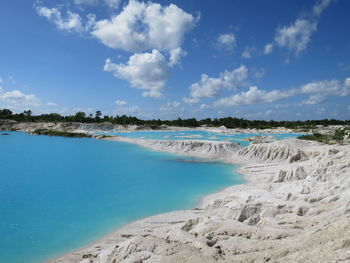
column 186, row 204
column 189, row 204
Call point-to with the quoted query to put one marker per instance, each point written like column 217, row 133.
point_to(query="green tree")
column 5, row 114
column 80, row 116
column 339, row 135
column 27, row 113
column 98, row 115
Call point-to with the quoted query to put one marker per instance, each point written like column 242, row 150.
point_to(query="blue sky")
column 166, row 59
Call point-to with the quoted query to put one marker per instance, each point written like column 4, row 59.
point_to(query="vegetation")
column 316, row 137
column 338, row 137
column 229, row 122
column 61, row 133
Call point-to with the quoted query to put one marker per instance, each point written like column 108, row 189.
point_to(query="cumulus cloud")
column 227, row 41
column 209, row 87
column 145, row 71
column 51, row 104
column 175, row 56
column 170, row 106
column 322, row 89
column 86, row 2
column 143, row 26
column 120, row 102
column 70, row 22
column 205, row 107
column 319, row 7
column 252, row 96
column 139, row 27
column 190, row 100
column 268, row 48
column 248, row 52
column 132, row 110
column 327, row 87
column 17, row 98
column 317, row 91
column 110, row 3
column 314, row 99
column 259, row 73
column 296, row 36
column 113, row 3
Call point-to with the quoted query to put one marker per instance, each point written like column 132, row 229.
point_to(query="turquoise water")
column 58, row 194
column 197, row 135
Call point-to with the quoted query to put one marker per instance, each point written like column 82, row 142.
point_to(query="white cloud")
column 281, row 106
column 51, row 104
column 248, row 52
column 209, row 87
column 145, row 71
column 347, row 83
column 205, row 107
column 17, row 98
column 320, row 7
column 190, row 100
column 175, row 56
column 174, row 104
column 268, row 48
column 143, row 26
column 72, row 21
column 322, row 89
column 110, row 3
column 1, row 80
column 252, row 96
column 327, row 87
column 120, row 102
column 132, row 110
column 113, row 3
column 170, row 106
column 86, row 2
column 318, row 91
column 259, row 73
column 296, row 36
column 314, row 99
column 227, row 41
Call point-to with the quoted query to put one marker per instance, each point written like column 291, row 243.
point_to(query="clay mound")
column 290, row 149
column 194, row 147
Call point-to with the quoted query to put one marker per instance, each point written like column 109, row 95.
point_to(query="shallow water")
column 58, row 194
column 196, row 135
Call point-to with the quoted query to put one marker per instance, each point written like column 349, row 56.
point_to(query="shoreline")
column 254, row 206
column 294, row 192
column 198, row 204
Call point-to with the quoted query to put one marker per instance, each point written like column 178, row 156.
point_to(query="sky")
column 253, row 59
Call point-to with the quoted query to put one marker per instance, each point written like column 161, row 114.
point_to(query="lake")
column 58, row 194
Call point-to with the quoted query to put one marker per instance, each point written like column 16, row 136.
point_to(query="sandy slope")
column 108, row 127
column 197, row 148
column 294, row 208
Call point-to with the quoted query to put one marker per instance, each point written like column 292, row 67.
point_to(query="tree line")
column 229, row 122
